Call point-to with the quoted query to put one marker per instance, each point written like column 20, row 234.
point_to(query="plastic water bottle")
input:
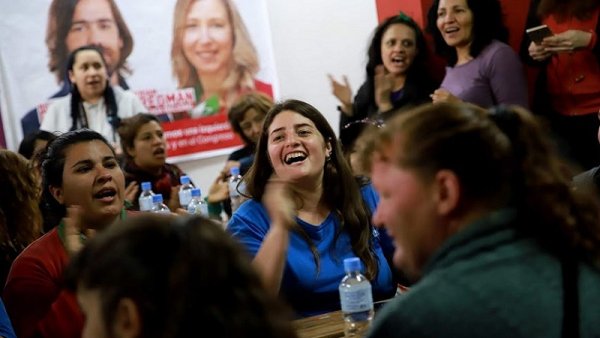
column 356, row 299
column 197, row 206
column 185, row 191
column 234, row 195
column 145, row 199
column 159, row 207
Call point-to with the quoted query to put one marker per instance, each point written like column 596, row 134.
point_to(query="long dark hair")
column 198, row 278
column 510, row 162
column 76, row 102
column 488, row 25
column 341, row 192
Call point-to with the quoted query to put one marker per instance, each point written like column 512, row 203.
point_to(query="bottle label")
column 233, row 192
column 146, row 203
column 185, row 197
column 357, row 298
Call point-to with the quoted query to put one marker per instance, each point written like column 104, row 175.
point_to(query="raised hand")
column 384, row 84
column 343, row 92
column 279, row 202
column 131, row 191
column 74, row 230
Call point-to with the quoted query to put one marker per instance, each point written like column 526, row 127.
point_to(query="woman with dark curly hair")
column 20, row 216
column 482, row 69
column 484, row 216
column 396, row 77
column 198, row 284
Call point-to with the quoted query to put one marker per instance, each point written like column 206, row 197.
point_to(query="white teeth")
column 293, row 156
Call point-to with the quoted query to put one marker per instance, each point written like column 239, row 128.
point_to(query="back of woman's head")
column 258, row 101
column 502, row 158
column 53, row 163
column 128, row 130
column 183, row 274
column 20, row 217
column 487, row 25
column 374, row 52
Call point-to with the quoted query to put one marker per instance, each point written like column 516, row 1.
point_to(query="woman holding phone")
column 567, row 89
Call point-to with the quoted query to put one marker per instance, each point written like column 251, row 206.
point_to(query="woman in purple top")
column 482, row 68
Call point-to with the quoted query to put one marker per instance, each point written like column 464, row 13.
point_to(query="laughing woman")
column 307, row 213
column 145, row 153
column 482, row 69
column 83, row 187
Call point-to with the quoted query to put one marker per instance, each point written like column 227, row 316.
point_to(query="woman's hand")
column 74, row 229
column 173, row 202
column 279, row 202
column 567, row 41
column 384, row 84
column 131, row 191
column 443, row 95
column 219, row 190
column 343, row 92
column 538, row 52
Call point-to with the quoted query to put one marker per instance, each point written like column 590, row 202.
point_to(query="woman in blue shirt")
column 307, row 213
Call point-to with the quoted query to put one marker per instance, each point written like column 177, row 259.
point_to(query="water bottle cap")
column 157, row 198
column 351, row 264
column 184, row 179
column 196, row 192
column 234, row 171
column 146, row 186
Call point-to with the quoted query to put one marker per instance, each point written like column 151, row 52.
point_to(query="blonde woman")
column 212, row 52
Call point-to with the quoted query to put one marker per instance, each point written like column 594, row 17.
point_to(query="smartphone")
column 538, row 33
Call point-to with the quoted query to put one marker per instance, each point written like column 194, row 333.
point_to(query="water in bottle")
column 159, row 206
column 197, row 206
column 356, row 299
column 145, row 199
column 185, row 191
column 234, row 195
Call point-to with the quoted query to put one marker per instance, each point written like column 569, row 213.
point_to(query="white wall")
column 310, row 39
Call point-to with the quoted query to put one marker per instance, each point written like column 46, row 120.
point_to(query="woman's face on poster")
column 208, row 38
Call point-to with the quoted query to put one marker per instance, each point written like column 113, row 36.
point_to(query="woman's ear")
column 130, row 151
column 127, row 322
column 57, row 193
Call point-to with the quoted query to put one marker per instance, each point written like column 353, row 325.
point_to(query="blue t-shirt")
column 308, row 290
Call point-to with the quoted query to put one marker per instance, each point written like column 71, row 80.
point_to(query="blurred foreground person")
column 183, row 277
column 484, row 217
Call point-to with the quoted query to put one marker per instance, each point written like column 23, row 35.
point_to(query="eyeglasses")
column 377, row 122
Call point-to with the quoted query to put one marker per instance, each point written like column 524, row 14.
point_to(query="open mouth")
column 106, row 194
column 294, row 157
column 158, row 151
column 451, row 30
column 398, row 60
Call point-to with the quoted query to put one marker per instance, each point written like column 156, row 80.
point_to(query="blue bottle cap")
column 184, row 179
column 196, row 192
column 234, row 171
column 157, row 198
column 146, row 186
column 351, row 264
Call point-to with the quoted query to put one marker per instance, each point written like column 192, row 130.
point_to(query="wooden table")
column 329, row 325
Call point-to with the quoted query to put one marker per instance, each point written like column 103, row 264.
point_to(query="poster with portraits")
column 187, row 61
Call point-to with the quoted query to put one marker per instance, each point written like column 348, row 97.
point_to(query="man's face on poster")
column 94, row 24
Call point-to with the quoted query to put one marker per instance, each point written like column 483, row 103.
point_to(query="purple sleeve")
column 507, row 78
